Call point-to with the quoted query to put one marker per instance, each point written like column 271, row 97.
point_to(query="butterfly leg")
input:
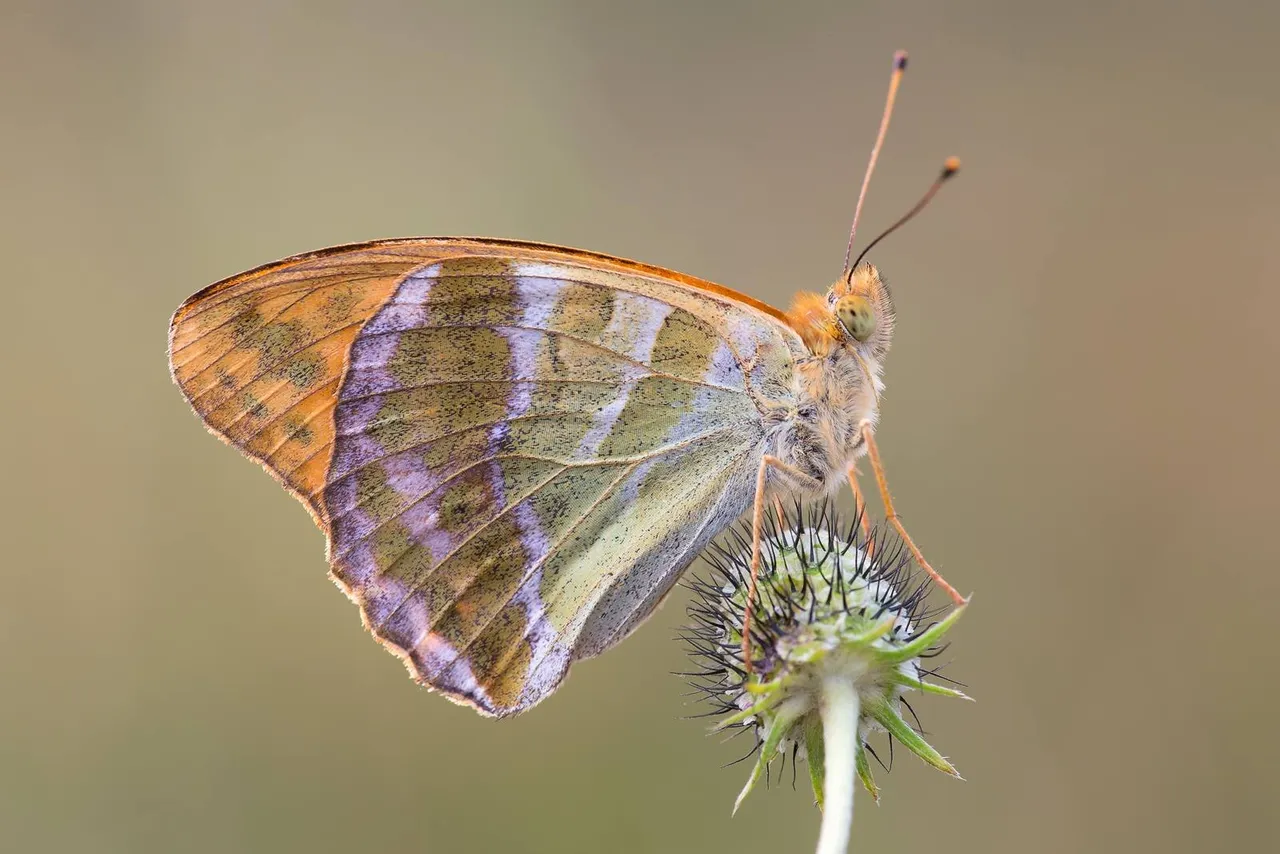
column 757, row 527
column 860, row 504
column 779, row 510
column 873, row 453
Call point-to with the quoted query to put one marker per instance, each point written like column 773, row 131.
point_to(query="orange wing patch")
column 260, row 356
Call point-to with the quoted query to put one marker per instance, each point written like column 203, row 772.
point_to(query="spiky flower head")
column 839, row 619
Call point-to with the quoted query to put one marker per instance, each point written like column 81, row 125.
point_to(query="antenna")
column 899, row 66
column 951, row 167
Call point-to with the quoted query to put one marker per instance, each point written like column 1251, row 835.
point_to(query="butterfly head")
column 862, row 310
column 855, row 315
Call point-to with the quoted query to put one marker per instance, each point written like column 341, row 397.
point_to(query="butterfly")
column 515, row 449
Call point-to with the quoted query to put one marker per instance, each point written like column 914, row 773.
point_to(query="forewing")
column 528, row 452
column 260, row 355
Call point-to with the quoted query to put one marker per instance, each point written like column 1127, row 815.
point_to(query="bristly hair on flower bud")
column 840, row 630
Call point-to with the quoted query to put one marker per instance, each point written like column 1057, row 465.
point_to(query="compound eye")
column 856, row 316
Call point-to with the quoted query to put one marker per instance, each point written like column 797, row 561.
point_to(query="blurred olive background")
column 1080, row 424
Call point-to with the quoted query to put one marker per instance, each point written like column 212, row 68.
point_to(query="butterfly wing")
column 526, row 447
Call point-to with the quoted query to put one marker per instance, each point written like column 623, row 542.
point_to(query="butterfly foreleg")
column 891, row 515
column 757, row 528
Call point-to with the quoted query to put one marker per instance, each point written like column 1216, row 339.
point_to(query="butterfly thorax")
column 820, row 433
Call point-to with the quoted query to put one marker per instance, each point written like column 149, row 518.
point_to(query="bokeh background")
column 1080, row 424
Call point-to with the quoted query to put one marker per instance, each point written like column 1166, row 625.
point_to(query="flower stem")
column 840, row 736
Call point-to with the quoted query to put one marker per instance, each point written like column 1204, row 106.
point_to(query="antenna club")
column 950, row 167
column 900, row 61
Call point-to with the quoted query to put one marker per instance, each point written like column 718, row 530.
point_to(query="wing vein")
column 603, row 461
column 279, row 361
column 471, row 536
column 266, row 321
column 353, row 398
column 415, row 447
column 311, row 286
column 533, row 568
column 307, row 423
column 570, row 337
column 546, row 605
